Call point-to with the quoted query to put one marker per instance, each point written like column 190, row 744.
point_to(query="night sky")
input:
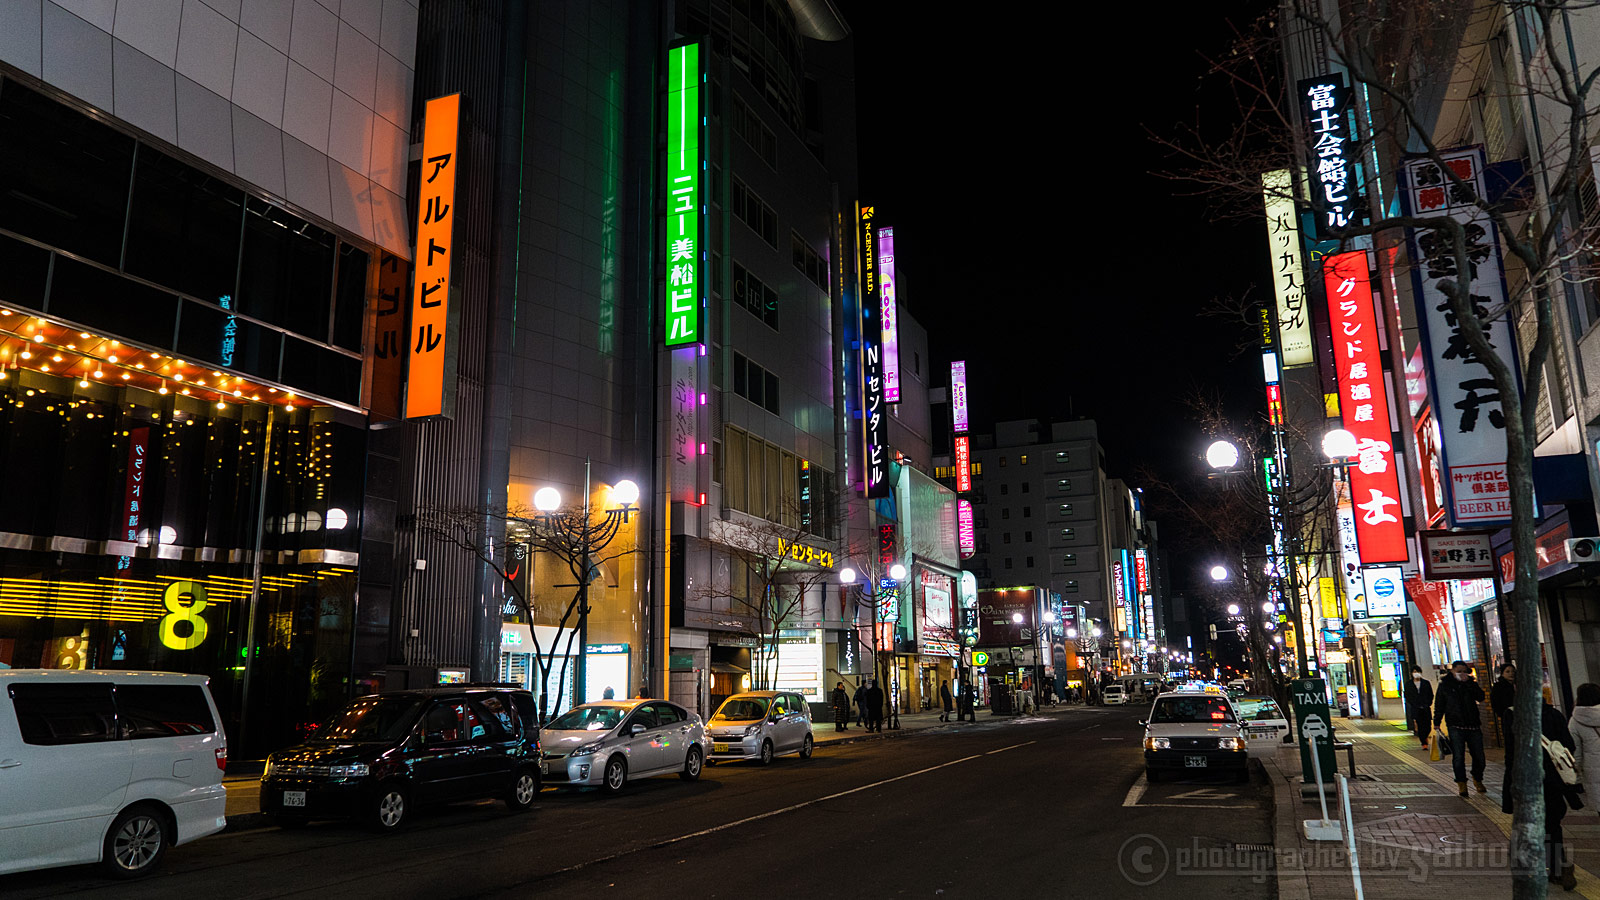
column 1035, row 238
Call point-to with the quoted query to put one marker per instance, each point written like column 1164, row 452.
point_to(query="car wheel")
column 807, row 746
column 692, row 765
column 288, row 822
column 1152, row 775
column 390, row 809
column 766, row 753
column 616, row 774
column 524, row 789
column 135, row 843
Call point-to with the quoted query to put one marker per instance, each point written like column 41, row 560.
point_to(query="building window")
column 749, row 127
column 1005, row 538
column 1005, row 513
column 1027, row 536
column 1024, row 459
column 1069, row 587
column 1024, row 487
column 1027, row 512
column 758, row 298
column 1068, row 533
column 1069, row 559
column 808, row 261
column 1002, row 462
column 1008, row 562
column 754, row 212
column 916, row 363
column 977, row 468
column 1030, row 562
column 1005, row 489
column 755, row 384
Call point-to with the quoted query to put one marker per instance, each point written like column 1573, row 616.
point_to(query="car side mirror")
column 636, row 728
column 1143, row 722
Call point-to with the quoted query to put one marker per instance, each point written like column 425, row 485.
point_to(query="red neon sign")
column 1364, row 407
column 963, row 463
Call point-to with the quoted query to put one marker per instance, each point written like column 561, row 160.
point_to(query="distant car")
column 1265, row 725
column 1194, row 731
column 1114, row 695
column 760, row 725
column 608, row 743
column 386, row 754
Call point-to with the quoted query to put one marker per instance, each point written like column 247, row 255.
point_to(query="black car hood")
column 328, row 752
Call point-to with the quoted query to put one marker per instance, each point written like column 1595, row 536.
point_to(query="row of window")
column 1062, row 484
column 755, row 212
column 756, row 296
column 765, row 480
column 808, row 261
column 946, row 472
column 748, row 126
column 755, row 384
column 1062, row 456
column 54, row 714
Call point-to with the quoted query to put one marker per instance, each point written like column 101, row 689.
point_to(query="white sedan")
column 1266, row 727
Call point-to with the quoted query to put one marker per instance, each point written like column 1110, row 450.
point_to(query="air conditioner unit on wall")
column 1580, row 550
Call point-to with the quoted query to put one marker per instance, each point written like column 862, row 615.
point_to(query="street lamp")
column 1338, row 444
column 1222, row 455
column 897, row 572
column 1219, row 573
column 1233, row 609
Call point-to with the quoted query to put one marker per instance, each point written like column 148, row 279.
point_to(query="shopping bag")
column 1434, row 753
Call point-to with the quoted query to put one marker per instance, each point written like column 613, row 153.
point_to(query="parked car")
column 108, row 767
column 608, row 743
column 1265, row 725
column 760, row 725
column 1193, row 732
column 1114, row 695
column 386, row 754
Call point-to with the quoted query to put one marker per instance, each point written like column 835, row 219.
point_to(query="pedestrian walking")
column 861, row 702
column 946, row 702
column 1050, row 689
column 841, row 708
column 1502, row 697
column 1419, row 705
column 1558, row 793
column 1584, row 726
column 965, row 711
column 873, row 706
column 1456, row 704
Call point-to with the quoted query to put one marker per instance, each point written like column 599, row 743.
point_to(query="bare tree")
column 572, row 535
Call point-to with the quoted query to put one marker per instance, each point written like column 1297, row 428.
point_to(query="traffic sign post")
column 1315, row 726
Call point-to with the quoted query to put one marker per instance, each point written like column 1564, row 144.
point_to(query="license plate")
column 719, row 748
column 1194, row 762
column 294, row 798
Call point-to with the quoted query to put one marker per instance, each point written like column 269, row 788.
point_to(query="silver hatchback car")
column 760, row 725
column 608, row 743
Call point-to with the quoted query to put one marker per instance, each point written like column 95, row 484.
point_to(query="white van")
column 108, row 767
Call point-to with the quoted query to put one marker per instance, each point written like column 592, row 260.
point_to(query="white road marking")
column 1193, row 806
column 1205, row 794
column 1135, row 792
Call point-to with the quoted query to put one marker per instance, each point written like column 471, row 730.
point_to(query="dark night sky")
column 1036, row 243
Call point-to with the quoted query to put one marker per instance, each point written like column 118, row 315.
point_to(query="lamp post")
column 897, row 573
column 576, row 531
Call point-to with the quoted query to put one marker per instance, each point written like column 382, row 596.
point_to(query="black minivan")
column 386, row 754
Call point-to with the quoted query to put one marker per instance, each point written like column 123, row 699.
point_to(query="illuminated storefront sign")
column 963, row 463
column 1141, row 568
column 1383, row 587
column 965, row 532
column 958, row 396
column 1364, row 405
column 133, row 491
column 888, row 600
column 937, row 634
column 682, row 254
column 1325, row 103
column 430, row 385
column 874, row 424
column 1466, row 403
column 799, row 666
column 1288, row 279
column 891, row 320
column 805, row 553
column 230, row 331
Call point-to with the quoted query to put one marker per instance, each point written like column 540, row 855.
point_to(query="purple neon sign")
column 958, row 395
column 966, row 535
column 891, row 325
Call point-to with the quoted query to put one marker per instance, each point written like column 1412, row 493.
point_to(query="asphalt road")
column 1048, row 806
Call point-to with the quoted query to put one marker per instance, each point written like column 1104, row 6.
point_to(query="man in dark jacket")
column 1558, row 795
column 872, row 706
column 1419, row 704
column 841, row 708
column 946, row 702
column 861, row 702
column 1456, row 704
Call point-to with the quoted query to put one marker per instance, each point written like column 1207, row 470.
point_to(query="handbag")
column 1561, row 758
column 1434, row 754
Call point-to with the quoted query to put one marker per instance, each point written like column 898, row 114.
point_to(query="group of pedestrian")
column 868, row 703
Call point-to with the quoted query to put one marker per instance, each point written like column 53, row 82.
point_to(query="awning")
column 718, row 668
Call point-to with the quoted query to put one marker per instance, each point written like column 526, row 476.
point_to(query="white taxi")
column 1190, row 732
column 1265, row 725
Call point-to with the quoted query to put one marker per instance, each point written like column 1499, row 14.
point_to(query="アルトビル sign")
column 430, row 370
column 683, row 255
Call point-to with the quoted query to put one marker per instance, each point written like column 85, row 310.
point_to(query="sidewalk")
column 1413, row 833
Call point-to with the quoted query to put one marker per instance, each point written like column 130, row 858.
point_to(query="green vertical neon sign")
column 683, row 253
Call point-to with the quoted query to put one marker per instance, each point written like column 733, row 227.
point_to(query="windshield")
column 1204, row 710
column 743, row 708
column 1256, row 709
column 372, row 719
column 589, row 718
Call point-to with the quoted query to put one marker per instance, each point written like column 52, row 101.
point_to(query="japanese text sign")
column 1466, row 403
column 874, row 422
column 1288, row 277
column 430, row 385
column 1141, row 568
column 127, row 528
column 958, row 396
column 1454, row 555
column 683, row 254
column 891, row 327
column 963, row 463
column 965, row 531
column 1325, row 103
column 1364, row 405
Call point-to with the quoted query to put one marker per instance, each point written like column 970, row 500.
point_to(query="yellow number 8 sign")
column 184, row 600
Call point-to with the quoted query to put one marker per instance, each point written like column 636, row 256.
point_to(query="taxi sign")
column 980, row 658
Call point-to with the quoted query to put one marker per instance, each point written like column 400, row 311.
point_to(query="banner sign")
column 1325, row 103
column 1288, row 278
column 963, row 463
column 1453, row 555
column 430, row 369
column 1364, row 406
column 874, row 424
column 1466, row 404
column 958, row 396
column 891, row 326
column 1141, row 568
column 965, row 532
column 685, row 213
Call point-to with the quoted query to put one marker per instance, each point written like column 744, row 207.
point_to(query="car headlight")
column 267, row 771
column 1156, row 743
column 588, row 749
column 751, row 729
column 1230, row 743
column 356, row 770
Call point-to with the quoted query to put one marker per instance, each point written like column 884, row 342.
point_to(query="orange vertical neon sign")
column 431, row 356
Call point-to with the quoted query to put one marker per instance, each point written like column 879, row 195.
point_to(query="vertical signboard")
column 388, row 341
column 1364, row 406
column 963, row 463
column 1325, row 104
column 958, row 396
column 1288, row 278
column 889, row 314
column 430, row 370
column 683, row 254
column 966, row 534
column 127, row 529
column 1467, row 405
column 1141, row 569
column 874, row 424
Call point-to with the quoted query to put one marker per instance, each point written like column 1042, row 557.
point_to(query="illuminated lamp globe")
column 1097, row 632
column 847, row 575
column 547, row 499
column 1338, row 444
column 336, row 519
column 897, row 572
column 1267, row 606
column 625, row 492
column 1233, row 609
column 1017, row 618
column 1072, row 632
column 1219, row 573
column 167, row 535
column 1049, row 616
column 1222, row 455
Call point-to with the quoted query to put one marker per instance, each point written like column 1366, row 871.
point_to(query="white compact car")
column 108, row 767
column 759, row 725
column 1114, row 695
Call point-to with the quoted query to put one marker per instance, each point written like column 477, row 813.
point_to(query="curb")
column 1292, row 883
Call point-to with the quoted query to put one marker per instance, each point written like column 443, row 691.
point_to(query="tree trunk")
column 1528, row 868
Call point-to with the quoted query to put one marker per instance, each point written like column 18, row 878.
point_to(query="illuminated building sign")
column 874, row 424
column 958, row 396
column 133, row 490
column 891, row 326
column 1325, row 103
column 966, row 535
column 230, row 330
column 1364, row 405
column 1466, row 402
column 1141, row 568
column 1385, row 594
column 888, row 600
column 430, row 387
column 182, row 628
column 682, row 254
column 1275, row 403
column 1288, row 278
column 963, row 463
column 805, row 553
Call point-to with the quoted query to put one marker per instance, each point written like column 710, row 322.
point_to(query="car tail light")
column 222, row 758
